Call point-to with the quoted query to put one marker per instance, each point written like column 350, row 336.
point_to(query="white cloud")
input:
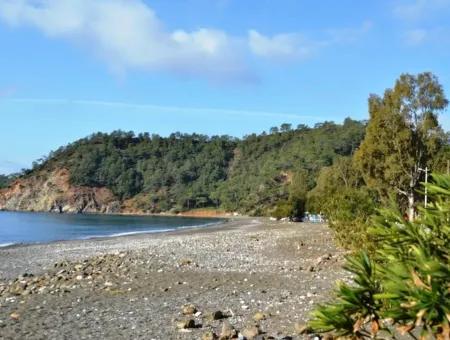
column 414, row 10
column 280, row 46
column 297, row 46
column 127, row 34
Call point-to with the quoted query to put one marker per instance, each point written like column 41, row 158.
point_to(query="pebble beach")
column 245, row 278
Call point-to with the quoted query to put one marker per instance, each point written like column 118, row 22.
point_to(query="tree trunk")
column 411, row 201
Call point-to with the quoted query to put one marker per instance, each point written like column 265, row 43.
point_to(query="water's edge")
column 218, row 221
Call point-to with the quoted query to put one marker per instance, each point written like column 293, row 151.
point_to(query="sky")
column 69, row 68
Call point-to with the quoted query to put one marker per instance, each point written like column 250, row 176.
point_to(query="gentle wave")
column 126, row 233
column 153, row 231
column 3, row 245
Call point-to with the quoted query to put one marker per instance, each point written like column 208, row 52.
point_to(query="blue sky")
column 69, row 68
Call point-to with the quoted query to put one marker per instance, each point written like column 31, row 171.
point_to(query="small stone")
column 209, row 336
column 259, row 316
column 228, row 332
column 15, row 316
column 217, row 315
column 310, row 268
column 251, row 333
column 301, row 328
column 186, row 324
column 189, row 309
column 79, row 277
column 185, row 262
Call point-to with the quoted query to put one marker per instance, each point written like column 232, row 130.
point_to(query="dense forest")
column 263, row 174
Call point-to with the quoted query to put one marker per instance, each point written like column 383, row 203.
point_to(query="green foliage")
column 340, row 194
column 265, row 169
column 6, row 180
column 188, row 171
column 283, row 209
column 409, row 277
column 403, row 136
column 355, row 305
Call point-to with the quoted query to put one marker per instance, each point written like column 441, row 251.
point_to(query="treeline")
column 263, row 174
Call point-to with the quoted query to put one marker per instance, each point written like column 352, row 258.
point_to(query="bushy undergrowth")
column 403, row 287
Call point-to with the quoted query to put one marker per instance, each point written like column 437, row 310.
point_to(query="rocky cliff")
column 51, row 191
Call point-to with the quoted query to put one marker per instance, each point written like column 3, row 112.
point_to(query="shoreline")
column 11, row 245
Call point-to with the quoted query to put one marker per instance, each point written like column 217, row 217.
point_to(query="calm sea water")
column 22, row 227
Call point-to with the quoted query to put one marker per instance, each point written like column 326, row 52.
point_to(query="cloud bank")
column 128, row 35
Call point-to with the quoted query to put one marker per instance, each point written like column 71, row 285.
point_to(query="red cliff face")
column 52, row 191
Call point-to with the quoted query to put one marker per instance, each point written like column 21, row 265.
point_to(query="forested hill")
column 252, row 175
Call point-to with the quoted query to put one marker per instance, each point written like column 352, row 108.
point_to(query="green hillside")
column 186, row 171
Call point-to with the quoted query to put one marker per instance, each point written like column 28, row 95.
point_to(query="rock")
column 186, row 324
column 228, row 331
column 209, row 336
column 189, row 309
column 15, row 316
column 217, row 315
column 310, row 269
column 327, row 337
column 251, row 333
column 259, row 316
column 185, row 262
column 301, row 328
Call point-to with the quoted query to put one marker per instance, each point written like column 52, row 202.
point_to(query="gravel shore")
column 245, row 275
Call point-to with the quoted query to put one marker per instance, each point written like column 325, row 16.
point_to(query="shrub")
column 405, row 285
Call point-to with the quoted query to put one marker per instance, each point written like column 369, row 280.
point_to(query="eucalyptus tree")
column 402, row 137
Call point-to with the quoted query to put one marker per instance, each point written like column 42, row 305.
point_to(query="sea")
column 32, row 227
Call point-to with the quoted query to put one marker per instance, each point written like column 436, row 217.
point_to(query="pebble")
column 259, row 316
column 186, row 324
column 15, row 316
column 251, row 333
column 209, row 336
column 189, row 309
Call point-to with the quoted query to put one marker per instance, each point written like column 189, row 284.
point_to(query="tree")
column 285, row 127
column 402, row 137
column 297, row 193
column 347, row 203
column 274, row 130
column 4, row 181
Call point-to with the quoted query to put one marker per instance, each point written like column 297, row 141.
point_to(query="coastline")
column 140, row 282
column 222, row 220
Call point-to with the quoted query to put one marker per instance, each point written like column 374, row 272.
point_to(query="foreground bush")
column 404, row 287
